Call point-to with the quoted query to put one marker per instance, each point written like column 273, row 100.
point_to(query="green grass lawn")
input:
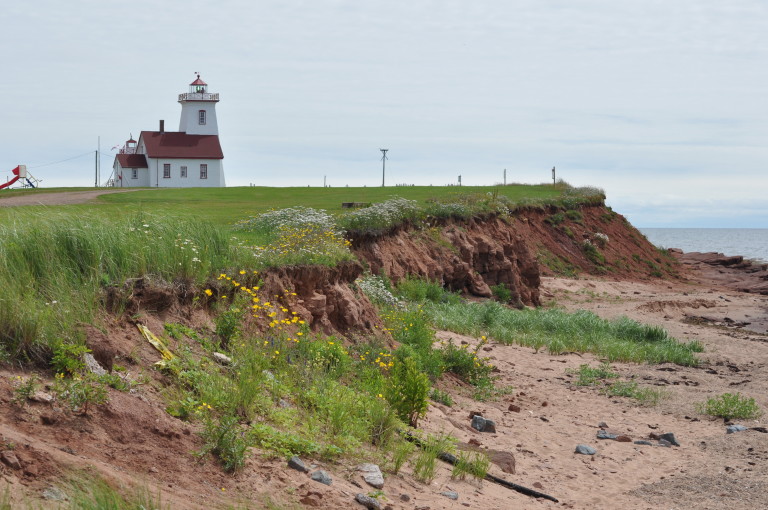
column 224, row 206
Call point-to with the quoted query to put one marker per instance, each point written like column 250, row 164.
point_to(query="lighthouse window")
column 201, row 117
column 134, row 173
column 183, row 172
column 203, row 171
column 166, row 171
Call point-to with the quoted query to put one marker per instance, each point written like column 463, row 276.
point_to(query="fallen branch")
column 451, row 459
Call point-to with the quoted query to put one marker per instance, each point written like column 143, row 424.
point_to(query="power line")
column 63, row 160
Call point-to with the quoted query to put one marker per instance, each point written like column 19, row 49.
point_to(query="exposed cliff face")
column 473, row 255
column 325, row 297
column 466, row 257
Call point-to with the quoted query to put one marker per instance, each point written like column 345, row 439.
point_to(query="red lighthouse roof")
column 198, row 81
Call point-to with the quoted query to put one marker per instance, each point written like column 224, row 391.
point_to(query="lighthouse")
column 189, row 157
column 198, row 110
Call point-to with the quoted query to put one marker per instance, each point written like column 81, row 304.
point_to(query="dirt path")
column 62, row 198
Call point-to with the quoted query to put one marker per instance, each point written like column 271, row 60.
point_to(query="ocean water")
column 752, row 243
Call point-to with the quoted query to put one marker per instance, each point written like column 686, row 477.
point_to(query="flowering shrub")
column 601, row 239
column 297, row 235
column 373, row 287
column 380, row 217
column 300, row 217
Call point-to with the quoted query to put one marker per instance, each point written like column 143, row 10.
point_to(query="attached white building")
column 191, row 157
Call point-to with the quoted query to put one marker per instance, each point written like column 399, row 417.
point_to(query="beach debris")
column 156, row 343
column 730, row 429
column 450, row 494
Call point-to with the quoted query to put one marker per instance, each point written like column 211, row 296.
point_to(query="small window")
column 203, row 171
column 183, row 172
column 201, row 117
column 167, row 171
column 134, row 173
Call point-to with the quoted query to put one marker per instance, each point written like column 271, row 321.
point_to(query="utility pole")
column 383, row 164
column 553, row 176
column 459, row 180
column 324, row 180
column 505, row 177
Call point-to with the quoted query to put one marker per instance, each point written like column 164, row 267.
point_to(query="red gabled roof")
column 181, row 145
column 132, row 160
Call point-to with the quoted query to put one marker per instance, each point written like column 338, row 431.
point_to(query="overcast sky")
column 661, row 103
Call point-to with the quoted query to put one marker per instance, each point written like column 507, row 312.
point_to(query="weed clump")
column 731, row 405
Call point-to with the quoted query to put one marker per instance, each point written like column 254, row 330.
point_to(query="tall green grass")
column 53, row 269
column 615, row 340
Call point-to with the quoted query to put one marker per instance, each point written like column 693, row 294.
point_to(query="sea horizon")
column 751, row 243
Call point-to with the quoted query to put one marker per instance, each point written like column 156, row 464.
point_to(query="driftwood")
column 451, row 459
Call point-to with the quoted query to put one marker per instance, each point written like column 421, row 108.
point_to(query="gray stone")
column 296, row 463
column 604, row 434
column 284, row 404
column 585, row 450
column 222, row 358
column 645, row 443
column 483, row 424
column 92, row 365
column 603, row 425
column 368, row 502
column 669, row 436
column 41, row 397
column 478, row 423
column 450, row 494
column 665, row 443
column 322, row 477
column 372, row 475
column 730, row 429
column 55, row 494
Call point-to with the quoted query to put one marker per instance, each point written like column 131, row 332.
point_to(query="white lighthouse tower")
column 189, row 157
column 198, row 110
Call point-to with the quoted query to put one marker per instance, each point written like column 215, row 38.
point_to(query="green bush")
column 68, row 358
column 466, row 364
column 407, row 390
column 79, row 392
column 502, row 293
column 417, row 290
column 228, row 325
column 224, row 438
column 731, row 405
